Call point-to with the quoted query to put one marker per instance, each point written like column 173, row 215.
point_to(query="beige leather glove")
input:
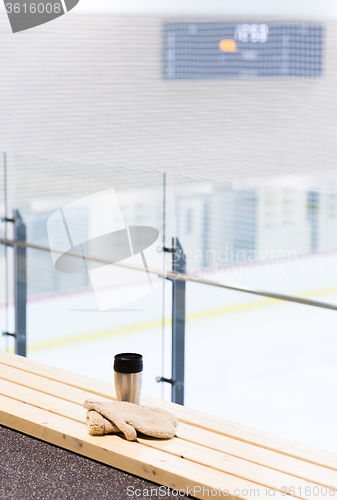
column 117, row 416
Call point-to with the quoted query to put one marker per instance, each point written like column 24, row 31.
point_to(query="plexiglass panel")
column 264, row 363
column 261, row 237
column 81, row 312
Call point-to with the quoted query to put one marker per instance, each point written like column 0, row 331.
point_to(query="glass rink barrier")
column 268, row 360
column 243, row 328
column 95, row 230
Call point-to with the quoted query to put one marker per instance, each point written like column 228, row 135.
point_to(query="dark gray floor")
column 31, row 469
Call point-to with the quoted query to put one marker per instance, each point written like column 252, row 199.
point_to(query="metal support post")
column 178, row 324
column 20, row 284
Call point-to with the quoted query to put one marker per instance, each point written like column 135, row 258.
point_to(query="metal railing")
column 175, row 275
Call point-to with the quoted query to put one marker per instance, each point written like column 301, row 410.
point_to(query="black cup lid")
column 128, row 362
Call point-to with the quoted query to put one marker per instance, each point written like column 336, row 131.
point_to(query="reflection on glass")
column 263, row 237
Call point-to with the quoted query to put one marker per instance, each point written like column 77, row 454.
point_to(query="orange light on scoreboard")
column 228, row 46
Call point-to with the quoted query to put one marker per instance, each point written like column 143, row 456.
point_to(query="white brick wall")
column 90, row 88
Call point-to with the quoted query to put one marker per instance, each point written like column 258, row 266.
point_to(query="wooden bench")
column 209, row 458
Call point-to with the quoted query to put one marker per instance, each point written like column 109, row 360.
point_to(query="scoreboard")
column 201, row 50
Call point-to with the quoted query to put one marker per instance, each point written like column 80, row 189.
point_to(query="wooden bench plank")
column 261, row 456
column 257, row 438
column 192, row 417
column 184, row 449
column 37, row 399
column 97, row 387
column 48, row 388
column 154, row 465
column 45, row 385
column 236, row 466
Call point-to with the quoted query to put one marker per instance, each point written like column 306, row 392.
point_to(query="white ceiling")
column 289, row 8
column 283, row 8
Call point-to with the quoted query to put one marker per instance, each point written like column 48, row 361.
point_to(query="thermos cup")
column 128, row 371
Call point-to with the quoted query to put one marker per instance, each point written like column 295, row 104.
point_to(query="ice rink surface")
column 263, row 363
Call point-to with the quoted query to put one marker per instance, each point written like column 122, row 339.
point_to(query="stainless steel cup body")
column 128, row 386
